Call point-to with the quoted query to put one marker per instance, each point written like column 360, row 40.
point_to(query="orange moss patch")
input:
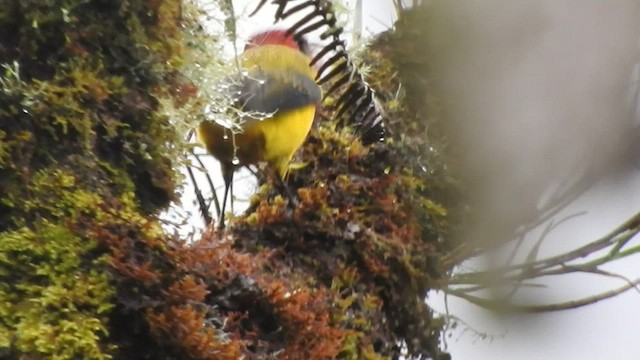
column 187, row 329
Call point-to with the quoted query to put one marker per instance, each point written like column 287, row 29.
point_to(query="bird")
column 278, row 80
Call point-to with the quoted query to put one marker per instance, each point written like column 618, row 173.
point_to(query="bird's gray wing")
column 276, row 91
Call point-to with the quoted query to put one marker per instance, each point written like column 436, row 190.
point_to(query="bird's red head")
column 276, row 37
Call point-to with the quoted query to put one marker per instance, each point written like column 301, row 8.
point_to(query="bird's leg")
column 224, row 204
column 286, row 190
column 293, row 202
column 281, row 174
column 227, row 175
column 231, row 198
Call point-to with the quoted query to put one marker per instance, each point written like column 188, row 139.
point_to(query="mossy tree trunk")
column 81, row 153
column 87, row 162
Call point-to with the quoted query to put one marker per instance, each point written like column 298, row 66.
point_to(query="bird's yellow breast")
column 284, row 134
column 276, row 138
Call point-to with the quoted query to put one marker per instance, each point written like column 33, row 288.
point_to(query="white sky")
column 607, row 330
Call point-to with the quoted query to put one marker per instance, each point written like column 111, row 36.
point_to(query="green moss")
column 353, row 349
column 54, row 297
column 84, row 78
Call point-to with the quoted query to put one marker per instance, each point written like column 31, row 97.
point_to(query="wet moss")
column 80, row 135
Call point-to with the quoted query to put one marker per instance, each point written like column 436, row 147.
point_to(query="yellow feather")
column 273, row 140
column 284, row 134
column 277, row 58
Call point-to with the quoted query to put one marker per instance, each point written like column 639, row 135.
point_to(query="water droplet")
column 261, row 82
column 225, row 137
column 25, row 111
column 235, row 161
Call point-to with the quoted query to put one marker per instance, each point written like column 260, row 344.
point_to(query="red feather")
column 272, row 37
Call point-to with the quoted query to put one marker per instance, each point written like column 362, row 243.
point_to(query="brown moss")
column 357, row 233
